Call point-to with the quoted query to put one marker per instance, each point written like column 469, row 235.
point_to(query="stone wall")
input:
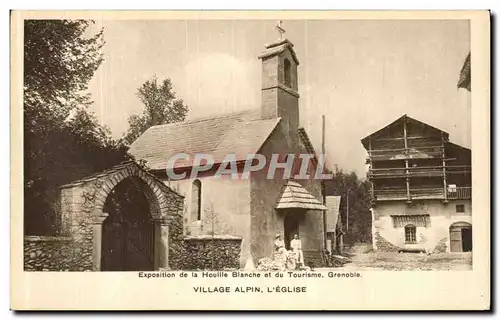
column 383, row 245
column 82, row 201
column 442, row 246
column 220, row 252
column 72, row 249
column 433, row 238
column 56, row 254
column 175, row 230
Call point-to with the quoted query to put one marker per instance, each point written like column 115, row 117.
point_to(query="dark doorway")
column 291, row 226
column 127, row 234
column 467, row 239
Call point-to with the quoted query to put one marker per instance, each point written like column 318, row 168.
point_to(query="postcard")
column 263, row 160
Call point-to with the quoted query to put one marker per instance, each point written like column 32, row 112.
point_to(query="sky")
column 361, row 74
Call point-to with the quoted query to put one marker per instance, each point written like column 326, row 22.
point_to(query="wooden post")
column 323, row 187
column 408, row 197
column 443, row 155
column 347, row 213
column 372, row 183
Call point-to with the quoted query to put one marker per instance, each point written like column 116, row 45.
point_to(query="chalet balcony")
column 421, row 172
column 458, row 193
column 417, row 152
column 401, row 172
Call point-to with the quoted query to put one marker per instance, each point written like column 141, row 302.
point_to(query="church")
column 134, row 216
column 254, row 209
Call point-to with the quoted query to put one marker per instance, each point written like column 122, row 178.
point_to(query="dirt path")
column 363, row 258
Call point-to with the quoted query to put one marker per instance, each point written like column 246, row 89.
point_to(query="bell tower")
column 280, row 97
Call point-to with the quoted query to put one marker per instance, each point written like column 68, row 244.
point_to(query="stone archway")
column 83, row 210
column 128, row 231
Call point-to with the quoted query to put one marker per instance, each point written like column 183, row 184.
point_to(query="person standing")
column 296, row 245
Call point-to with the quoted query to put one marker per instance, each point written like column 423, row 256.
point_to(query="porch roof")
column 294, row 196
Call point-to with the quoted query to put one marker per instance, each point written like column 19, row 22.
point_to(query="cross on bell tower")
column 280, row 29
column 280, row 97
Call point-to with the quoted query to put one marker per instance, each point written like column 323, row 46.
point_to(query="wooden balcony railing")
column 406, row 153
column 460, row 193
column 423, row 193
column 434, row 171
column 390, row 194
column 426, row 193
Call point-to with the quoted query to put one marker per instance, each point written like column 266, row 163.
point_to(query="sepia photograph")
column 245, row 147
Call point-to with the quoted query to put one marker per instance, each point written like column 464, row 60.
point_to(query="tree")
column 58, row 64
column 161, row 107
column 62, row 141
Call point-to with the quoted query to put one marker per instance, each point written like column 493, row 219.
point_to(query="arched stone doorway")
column 123, row 216
column 461, row 237
column 128, row 230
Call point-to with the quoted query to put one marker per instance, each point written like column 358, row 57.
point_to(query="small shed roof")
column 294, row 196
column 333, row 205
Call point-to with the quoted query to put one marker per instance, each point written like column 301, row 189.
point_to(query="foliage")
column 161, row 107
column 359, row 220
column 58, row 64
column 62, row 141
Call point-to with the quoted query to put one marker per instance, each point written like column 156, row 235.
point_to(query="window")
column 460, row 208
column 288, row 73
column 410, row 234
column 196, row 201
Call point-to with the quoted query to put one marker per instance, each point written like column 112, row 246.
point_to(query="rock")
column 266, row 264
column 338, row 261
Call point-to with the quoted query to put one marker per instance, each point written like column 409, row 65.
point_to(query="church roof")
column 239, row 133
column 295, row 196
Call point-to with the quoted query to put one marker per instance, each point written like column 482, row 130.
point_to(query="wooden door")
column 113, row 250
column 455, row 239
column 139, row 247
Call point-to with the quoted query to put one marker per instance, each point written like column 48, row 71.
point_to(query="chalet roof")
column 240, row 133
column 457, row 147
column 456, row 151
column 364, row 141
column 294, row 196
